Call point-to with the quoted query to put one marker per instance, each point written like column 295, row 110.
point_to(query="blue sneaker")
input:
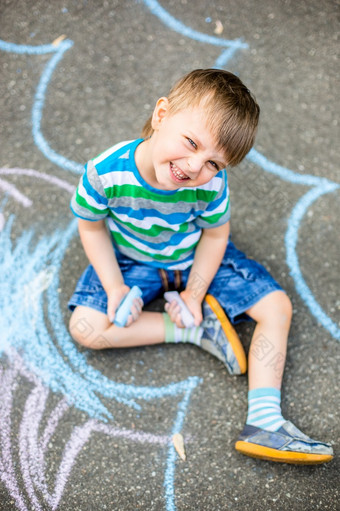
column 287, row 445
column 220, row 338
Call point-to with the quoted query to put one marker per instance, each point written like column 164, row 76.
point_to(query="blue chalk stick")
column 124, row 308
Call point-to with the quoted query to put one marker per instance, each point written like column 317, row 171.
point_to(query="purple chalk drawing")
column 32, row 447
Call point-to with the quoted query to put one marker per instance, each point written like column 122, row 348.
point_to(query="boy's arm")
column 208, row 257
column 100, row 252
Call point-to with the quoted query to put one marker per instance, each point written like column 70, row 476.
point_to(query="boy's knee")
column 284, row 306
column 275, row 307
column 89, row 328
column 287, row 304
column 83, row 333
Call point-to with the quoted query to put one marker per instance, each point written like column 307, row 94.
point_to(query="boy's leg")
column 89, row 323
column 267, row 354
column 90, row 326
column 93, row 329
column 267, row 434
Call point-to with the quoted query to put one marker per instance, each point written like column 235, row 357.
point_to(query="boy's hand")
column 193, row 304
column 114, row 299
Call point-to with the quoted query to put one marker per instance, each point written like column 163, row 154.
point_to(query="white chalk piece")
column 187, row 318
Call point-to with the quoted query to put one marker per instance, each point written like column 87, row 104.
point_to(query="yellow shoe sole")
column 229, row 331
column 267, row 453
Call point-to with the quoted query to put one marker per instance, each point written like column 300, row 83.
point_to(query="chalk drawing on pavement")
column 34, row 440
column 42, row 361
column 54, row 361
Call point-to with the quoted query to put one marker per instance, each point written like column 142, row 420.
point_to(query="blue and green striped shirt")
column 160, row 228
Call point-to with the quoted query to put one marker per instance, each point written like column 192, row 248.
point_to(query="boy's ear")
column 160, row 112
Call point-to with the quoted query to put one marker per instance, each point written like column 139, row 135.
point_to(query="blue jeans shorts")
column 239, row 283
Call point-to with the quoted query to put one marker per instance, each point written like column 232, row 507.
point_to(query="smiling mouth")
column 177, row 173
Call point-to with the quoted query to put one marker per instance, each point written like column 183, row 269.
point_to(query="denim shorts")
column 239, row 283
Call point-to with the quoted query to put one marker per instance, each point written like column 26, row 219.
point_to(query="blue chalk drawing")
column 177, row 26
column 171, row 459
column 23, row 49
column 80, row 383
column 30, row 283
column 321, row 186
column 39, row 98
column 29, row 274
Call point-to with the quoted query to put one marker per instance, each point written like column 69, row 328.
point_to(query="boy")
column 155, row 213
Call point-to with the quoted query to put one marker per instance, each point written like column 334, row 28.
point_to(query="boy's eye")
column 192, row 143
column 213, row 164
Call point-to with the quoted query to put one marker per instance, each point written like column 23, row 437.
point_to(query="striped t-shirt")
column 157, row 227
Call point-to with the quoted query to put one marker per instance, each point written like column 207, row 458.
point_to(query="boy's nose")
column 195, row 164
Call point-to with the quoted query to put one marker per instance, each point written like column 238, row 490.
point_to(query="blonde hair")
column 232, row 111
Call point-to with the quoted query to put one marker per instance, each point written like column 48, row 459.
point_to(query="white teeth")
column 177, row 173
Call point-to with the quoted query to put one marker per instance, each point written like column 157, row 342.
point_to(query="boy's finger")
column 179, row 321
column 129, row 321
column 198, row 320
column 138, row 304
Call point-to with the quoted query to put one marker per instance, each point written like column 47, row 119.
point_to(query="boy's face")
column 183, row 151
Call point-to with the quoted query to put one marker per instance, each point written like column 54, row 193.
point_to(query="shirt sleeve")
column 217, row 212
column 89, row 201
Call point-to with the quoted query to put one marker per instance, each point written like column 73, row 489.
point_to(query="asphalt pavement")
column 82, row 430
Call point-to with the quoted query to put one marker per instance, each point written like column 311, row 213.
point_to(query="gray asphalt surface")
column 101, row 91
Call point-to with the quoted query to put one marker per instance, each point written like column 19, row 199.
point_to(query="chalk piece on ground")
column 57, row 41
column 178, row 442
